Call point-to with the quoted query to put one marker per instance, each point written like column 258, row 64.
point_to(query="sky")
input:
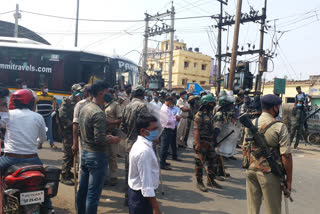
column 298, row 22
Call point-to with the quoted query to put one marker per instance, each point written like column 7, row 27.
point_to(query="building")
column 310, row 86
column 189, row 66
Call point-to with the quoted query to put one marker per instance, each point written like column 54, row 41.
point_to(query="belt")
column 11, row 155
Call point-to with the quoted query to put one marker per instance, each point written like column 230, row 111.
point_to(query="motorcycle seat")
column 17, row 169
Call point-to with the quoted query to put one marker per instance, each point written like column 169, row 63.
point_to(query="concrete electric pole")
column 171, row 49
column 77, row 21
column 218, row 82
column 235, row 45
column 16, row 16
column 145, row 50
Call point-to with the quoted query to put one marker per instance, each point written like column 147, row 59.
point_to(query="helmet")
column 207, row 99
column 76, row 87
column 138, row 88
column 191, row 98
column 24, row 96
column 202, row 93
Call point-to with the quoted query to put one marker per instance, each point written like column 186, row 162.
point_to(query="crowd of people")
column 96, row 118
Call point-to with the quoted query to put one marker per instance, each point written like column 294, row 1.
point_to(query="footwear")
column 168, row 164
column 176, row 159
column 113, row 182
column 51, row 211
column 214, row 184
column 232, row 158
column 219, row 178
column 201, row 186
column 39, row 146
column 66, row 181
column 165, row 168
column 53, row 146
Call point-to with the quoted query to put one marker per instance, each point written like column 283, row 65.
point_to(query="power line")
column 109, row 20
column 7, row 12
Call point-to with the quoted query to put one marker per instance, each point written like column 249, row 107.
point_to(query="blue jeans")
column 48, row 120
column 137, row 203
column 93, row 171
column 6, row 162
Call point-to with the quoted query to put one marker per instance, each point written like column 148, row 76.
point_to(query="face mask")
column 45, row 90
column 75, row 93
column 24, row 86
column 4, row 119
column 155, row 98
column 185, row 97
column 276, row 113
column 107, row 98
column 299, row 105
column 153, row 135
column 119, row 94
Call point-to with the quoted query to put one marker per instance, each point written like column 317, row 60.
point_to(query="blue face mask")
column 299, row 104
column 153, row 135
column 185, row 97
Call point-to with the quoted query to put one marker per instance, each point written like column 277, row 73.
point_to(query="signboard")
column 279, row 86
column 194, row 88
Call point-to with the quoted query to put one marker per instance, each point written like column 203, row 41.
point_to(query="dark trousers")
column 168, row 138
column 137, row 203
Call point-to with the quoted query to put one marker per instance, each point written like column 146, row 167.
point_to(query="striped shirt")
column 45, row 104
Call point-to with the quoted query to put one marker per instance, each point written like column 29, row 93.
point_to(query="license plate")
column 31, row 197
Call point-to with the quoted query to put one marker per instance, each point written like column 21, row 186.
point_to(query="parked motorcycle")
column 25, row 188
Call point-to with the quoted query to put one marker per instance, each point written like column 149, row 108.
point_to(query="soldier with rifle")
column 267, row 158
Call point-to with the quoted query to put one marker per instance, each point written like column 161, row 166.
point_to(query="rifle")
column 261, row 142
column 225, row 137
column 308, row 117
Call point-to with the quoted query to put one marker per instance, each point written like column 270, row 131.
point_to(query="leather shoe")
column 176, row 159
column 165, row 168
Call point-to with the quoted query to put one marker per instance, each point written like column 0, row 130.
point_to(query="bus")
column 60, row 68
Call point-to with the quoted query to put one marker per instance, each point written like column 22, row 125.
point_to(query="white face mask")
column 24, row 86
column 45, row 90
column 4, row 119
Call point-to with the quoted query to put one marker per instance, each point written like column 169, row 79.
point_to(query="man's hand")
column 197, row 147
column 156, row 210
column 75, row 148
column 113, row 139
column 177, row 118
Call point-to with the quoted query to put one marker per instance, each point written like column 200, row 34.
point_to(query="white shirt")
column 23, row 129
column 143, row 168
column 158, row 105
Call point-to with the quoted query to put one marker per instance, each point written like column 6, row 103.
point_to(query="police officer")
column 130, row 115
column 261, row 182
column 203, row 142
column 113, row 114
column 299, row 115
column 66, row 119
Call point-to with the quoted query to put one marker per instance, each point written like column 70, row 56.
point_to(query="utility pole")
column 219, row 47
column 16, row 16
column 77, row 21
column 171, row 48
column 145, row 50
column 261, row 52
column 235, row 45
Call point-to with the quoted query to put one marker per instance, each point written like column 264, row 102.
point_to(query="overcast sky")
column 298, row 49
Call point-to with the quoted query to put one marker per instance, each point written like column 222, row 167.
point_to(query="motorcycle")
column 25, row 188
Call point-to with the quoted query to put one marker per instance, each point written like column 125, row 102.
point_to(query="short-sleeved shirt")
column 277, row 137
column 77, row 109
column 113, row 112
column 204, row 123
column 45, row 104
column 93, row 128
column 183, row 104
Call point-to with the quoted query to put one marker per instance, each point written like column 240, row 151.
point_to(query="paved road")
column 182, row 196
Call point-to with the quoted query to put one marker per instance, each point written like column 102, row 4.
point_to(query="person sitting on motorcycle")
column 23, row 129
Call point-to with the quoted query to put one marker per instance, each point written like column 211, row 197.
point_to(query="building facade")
column 189, row 66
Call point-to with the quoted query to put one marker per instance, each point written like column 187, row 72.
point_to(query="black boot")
column 201, row 186
column 213, row 184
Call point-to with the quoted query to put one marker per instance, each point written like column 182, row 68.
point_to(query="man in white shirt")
column 23, row 129
column 156, row 101
column 143, row 168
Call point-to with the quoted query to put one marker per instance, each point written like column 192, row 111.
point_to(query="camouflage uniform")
column 66, row 118
column 130, row 115
column 204, row 123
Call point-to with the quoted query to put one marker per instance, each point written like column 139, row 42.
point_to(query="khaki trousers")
column 264, row 185
column 113, row 150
